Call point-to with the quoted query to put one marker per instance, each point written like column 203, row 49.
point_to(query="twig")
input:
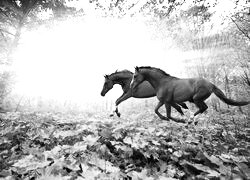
column 4, row 31
column 18, row 104
column 243, row 32
column 5, row 40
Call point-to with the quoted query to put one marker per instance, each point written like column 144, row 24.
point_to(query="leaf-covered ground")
column 79, row 146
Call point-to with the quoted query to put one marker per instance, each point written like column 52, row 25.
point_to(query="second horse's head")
column 108, row 84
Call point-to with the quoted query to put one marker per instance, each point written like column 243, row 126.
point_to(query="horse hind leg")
column 178, row 108
column 168, row 109
column 183, row 105
column 199, row 99
column 202, row 107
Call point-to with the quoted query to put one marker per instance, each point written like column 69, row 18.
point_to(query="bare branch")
column 6, row 15
column 135, row 7
column 242, row 31
column 7, row 32
column 12, row 7
column 246, row 78
column 117, row 2
column 5, row 40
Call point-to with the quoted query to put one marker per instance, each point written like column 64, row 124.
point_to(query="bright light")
column 68, row 62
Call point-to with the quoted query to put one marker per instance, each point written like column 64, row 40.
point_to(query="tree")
column 126, row 8
column 241, row 20
column 16, row 14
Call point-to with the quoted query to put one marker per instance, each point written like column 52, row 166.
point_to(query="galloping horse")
column 171, row 90
column 123, row 78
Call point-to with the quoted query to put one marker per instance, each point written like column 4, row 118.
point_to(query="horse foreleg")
column 168, row 109
column 157, row 112
column 122, row 98
column 115, row 110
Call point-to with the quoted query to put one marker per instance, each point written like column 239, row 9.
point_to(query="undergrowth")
column 138, row 146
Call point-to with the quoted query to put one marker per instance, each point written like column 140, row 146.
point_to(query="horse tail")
column 222, row 97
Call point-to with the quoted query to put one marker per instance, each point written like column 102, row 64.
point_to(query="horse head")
column 108, row 84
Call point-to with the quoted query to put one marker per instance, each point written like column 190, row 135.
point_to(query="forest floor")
column 139, row 147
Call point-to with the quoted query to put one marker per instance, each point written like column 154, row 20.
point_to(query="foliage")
column 17, row 14
column 64, row 146
column 241, row 20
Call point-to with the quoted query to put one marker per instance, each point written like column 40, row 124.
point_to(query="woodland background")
column 44, row 139
column 219, row 44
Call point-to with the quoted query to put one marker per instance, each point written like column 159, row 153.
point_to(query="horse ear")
column 106, row 76
column 136, row 68
column 116, row 71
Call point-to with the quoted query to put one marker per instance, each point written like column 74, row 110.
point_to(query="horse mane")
column 158, row 69
column 119, row 72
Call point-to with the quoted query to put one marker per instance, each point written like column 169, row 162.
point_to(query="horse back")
column 184, row 89
column 202, row 83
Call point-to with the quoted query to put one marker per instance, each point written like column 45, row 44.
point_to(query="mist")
column 76, row 54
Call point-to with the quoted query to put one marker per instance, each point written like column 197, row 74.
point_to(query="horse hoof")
column 118, row 114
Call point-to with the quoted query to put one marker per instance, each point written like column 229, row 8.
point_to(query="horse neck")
column 155, row 78
column 123, row 80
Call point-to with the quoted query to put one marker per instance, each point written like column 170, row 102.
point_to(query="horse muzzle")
column 103, row 94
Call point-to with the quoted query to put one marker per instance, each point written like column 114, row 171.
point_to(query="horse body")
column 168, row 89
column 124, row 78
column 144, row 90
column 174, row 90
column 171, row 90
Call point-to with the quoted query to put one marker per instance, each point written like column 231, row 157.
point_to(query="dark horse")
column 171, row 90
column 123, row 78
